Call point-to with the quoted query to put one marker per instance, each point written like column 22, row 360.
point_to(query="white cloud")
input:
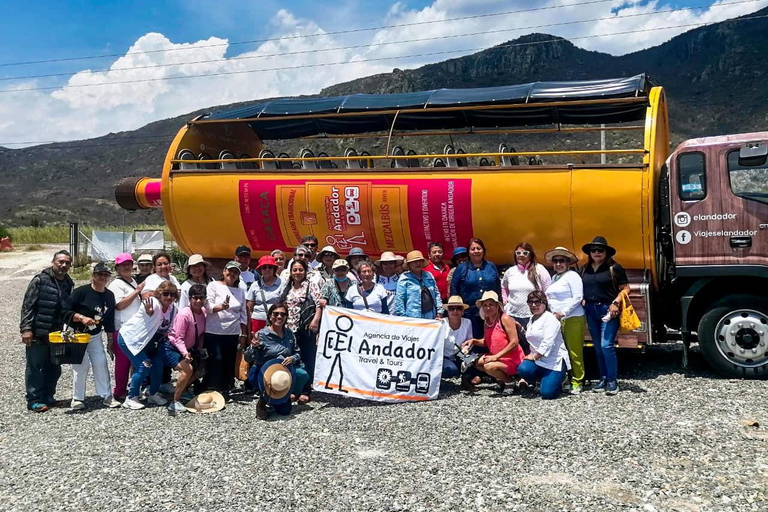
column 80, row 109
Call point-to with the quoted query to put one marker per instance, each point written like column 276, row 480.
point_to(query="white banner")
column 149, row 240
column 105, row 245
column 379, row 357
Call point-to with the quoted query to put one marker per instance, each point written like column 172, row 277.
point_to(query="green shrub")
column 4, row 232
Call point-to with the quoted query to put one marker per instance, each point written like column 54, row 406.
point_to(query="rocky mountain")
column 714, row 77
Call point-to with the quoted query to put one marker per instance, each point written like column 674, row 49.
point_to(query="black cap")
column 243, row 249
column 101, row 267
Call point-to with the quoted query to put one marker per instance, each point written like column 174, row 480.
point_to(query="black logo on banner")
column 338, row 341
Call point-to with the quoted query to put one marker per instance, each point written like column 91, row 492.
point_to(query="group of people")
column 524, row 326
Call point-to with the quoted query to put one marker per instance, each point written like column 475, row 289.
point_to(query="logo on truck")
column 682, row 219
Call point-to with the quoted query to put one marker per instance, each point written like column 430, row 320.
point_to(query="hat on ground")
column 389, row 256
column 340, row 263
column 208, row 401
column 458, row 252
column 275, row 381
column 601, row 242
column 195, row 259
column 123, row 257
column 413, row 257
column 455, row 300
column 356, row 251
column 232, row 265
column 561, row 251
column 242, row 249
column 324, row 250
column 144, row 258
column 100, row 267
column 489, row 295
column 266, row 261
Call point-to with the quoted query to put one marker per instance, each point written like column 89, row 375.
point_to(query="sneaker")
column 133, row 403
column 612, row 388
column 576, row 389
column 111, row 402
column 157, row 399
column 168, row 387
column 38, row 407
column 600, row 386
column 77, row 405
column 177, row 407
column 261, row 409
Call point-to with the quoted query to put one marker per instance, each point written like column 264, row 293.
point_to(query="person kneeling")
column 276, row 342
column 275, row 382
column 548, row 360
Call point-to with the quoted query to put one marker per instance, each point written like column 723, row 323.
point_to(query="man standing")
column 310, row 241
column 438, row 269
column 243, row 257
column 41, row 315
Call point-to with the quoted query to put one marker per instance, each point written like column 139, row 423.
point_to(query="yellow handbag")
column 628, row 319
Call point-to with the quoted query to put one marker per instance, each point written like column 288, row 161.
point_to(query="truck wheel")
column 733, row 336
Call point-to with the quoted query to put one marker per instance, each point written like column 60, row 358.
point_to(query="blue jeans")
column 551, row 380
column 141, row 370
column 603, row 338
column 451, row 368
column 308, row 350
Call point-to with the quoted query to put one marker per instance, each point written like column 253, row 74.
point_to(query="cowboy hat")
column 601, row 242
column 561, row 251
column 389, row 256
column 195, row 259
column 455, row 300
column 489, row 295
column 207, row 401
column 413, row 257
column 275, row 381
column 327, row 248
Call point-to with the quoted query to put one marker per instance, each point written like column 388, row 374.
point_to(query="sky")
column 81, row 69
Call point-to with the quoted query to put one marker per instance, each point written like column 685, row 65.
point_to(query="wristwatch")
column 614, row 303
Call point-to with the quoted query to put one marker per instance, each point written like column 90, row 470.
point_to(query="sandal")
column 303, row 399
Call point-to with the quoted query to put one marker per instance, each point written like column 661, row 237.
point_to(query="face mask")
column 340, row 279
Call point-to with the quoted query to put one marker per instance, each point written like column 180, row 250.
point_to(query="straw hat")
column 489, row 295
column 561, row 251
column 208, row 401
column 195, row 259
column 599, row 241
column 276, row 381
column 389, row 256
column 327, row 248
column 340, row 263
column 413, row 257
column 455, row 300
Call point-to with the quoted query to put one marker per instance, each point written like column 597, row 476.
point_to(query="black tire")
column 729, row 364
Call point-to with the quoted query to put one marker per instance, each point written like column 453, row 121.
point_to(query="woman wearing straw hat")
column 459, row 331
column 504, row 352
column 275, row 382
column 604, row 283
column 417, row 295
column 565, row 295
column 472, row 278
column 324, row 272
column 196, row 269
column 264, row 292
column 387, row 275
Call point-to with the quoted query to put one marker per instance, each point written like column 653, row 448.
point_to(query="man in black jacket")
column 41, row 315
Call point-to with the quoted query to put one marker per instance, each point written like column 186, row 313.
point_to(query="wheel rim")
column 742, row 338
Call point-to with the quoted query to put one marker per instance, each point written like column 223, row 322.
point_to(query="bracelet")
column 243, row 335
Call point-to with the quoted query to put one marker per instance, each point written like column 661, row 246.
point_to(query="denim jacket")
column 408, row 295
column 272, row 346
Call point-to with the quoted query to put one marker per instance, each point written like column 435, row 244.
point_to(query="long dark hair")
column 287, row 289
column 532, row 276
column 539, row 295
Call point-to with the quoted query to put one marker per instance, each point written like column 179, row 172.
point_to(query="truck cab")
column 716, row 247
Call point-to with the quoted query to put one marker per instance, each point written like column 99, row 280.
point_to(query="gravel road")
column 669, row 441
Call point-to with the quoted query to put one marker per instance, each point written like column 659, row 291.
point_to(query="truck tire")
column 733, row 336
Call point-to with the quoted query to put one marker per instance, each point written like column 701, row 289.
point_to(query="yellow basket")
column 56, row 337
column 69, row 350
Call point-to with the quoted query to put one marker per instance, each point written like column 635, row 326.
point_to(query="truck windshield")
column 748, row 179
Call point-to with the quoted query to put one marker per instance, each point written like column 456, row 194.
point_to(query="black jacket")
column 42, row 306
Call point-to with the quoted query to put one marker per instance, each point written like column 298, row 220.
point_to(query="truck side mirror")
column 753, row 154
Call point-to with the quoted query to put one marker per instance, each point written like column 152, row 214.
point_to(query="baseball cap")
column 242, row 249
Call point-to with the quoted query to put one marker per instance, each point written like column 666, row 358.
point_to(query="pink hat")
column 123, row 257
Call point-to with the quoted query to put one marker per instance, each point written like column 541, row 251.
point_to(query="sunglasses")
column 300, row 255
column 522, row 253
column 197, row 297
column 559, row 260
column 169, row 294
column 279, row 314
column 455, row 308
column 534, row 303
column 311, row 244
column 597, row 250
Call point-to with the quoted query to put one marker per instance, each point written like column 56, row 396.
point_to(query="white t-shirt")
column 545, row 337
column 390, row 285
column 376, row 297
column 184, row 293
column 516, row 285
column 565, row 294
column 271, row 294
column 459, row 336
column 139, row 329
column 226, row 322
column 152, row 282
column 122, row 289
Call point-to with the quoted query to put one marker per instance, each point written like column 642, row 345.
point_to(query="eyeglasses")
column 279, row 314
column 197, row 297
column 522, row 253
column 300, row 255
column 597, row 250
column 455, row 308
column 169, row 294
column 557, row 261
column 534, row 303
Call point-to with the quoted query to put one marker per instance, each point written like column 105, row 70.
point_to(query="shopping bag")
column 241, row 367
column 628, row 320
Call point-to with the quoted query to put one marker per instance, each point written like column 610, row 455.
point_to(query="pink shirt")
column 182, row 336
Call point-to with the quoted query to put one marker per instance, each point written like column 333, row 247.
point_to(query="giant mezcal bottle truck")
column 690, row 227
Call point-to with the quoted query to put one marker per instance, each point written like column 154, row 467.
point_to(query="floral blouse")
column 294, row 299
